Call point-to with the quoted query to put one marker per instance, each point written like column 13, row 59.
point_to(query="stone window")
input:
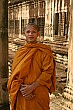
column 23, row 24
column 41, row 22
column 11, row 26
column 16, row 26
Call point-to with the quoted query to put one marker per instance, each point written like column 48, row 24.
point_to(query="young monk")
column 33, row 75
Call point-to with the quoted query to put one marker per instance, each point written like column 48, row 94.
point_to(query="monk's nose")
column 30, row 33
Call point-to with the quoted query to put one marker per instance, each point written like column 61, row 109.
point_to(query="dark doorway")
column 56, row 21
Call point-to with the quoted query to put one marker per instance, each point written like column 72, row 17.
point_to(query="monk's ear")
column 38, row 33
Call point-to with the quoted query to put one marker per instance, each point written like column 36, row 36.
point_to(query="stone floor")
column 56, row 102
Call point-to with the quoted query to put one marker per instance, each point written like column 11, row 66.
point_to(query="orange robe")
column 32, row 62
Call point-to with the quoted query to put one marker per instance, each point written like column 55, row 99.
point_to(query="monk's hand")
column 29, row 96
column 26, row 89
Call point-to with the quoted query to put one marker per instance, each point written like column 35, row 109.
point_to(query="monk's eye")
column 27, row 31
column 33, row 31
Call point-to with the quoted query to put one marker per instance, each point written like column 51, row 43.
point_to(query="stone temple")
column 55, row 20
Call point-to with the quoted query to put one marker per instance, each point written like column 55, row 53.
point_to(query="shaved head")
column 32, row 24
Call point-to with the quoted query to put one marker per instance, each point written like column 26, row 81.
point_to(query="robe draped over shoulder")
column 32, row 62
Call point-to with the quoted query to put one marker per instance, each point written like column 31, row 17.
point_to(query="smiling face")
column 31, row 33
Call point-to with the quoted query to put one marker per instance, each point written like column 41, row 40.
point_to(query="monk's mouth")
column 30, row 37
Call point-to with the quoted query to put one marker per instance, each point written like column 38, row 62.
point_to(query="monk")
column 33, row 75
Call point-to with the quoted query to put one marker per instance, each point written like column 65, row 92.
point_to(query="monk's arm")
column 28, row 89
column 48, row 67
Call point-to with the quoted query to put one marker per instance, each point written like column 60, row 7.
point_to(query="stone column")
column 47, row 20
column 63, row 21
column 59, row 26
column 68, row 92
column 3, row 52
column 20, row 20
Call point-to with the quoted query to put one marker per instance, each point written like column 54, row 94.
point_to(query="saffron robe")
column 32, row 62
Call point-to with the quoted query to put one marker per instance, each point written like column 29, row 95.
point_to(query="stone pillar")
column 20, row 20
column 68, row 92
column 47, row 32
column 3, row 52
column 63, row 21
column 59, row 26
column 46, row 27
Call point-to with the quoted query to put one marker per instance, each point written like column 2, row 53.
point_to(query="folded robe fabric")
column 32, row 62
